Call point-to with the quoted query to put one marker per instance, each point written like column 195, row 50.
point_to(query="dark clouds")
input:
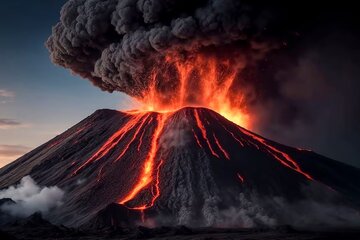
column 301, row 58
column 116, row 43
column 322, row 87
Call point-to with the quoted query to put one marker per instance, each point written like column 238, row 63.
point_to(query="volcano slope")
column 191, row 167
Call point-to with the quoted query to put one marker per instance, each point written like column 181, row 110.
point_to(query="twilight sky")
column 37, row 99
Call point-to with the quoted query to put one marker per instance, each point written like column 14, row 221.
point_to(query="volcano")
column 191, row 166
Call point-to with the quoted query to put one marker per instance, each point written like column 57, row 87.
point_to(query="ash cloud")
column 320, row 93
column 29, row 198
column 299, row 61
column 115, row 43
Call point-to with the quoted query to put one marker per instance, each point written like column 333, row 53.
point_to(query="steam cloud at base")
column 29, row 198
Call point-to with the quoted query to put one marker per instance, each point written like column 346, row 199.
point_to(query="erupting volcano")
column 205, row 74
column 191, row 166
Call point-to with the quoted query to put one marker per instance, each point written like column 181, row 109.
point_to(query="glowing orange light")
column 112, row 141
column 146, row 176
column 202, row 81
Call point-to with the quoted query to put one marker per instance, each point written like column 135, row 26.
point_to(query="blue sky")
column 38, row 99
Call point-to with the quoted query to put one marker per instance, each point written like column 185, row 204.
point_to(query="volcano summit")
column 191, row 166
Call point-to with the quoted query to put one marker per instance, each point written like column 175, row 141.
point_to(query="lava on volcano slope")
column 148, row 178
column 188, row 166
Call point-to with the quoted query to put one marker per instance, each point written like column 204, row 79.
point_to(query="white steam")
column 30, row 198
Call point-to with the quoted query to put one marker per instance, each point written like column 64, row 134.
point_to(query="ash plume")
column 116, row 43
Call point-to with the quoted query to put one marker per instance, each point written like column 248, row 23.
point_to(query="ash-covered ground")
column 35, row 227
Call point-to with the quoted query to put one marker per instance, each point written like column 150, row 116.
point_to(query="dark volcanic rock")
column 35, row 227
column 191, row 167
column 33, row 221
column 114, row 215
column 6, row 236
column 6, row 201
column 5, row 217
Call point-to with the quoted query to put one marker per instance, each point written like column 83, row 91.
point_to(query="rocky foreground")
column 35, row 227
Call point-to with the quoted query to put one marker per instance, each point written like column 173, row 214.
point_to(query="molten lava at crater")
column 199, row 81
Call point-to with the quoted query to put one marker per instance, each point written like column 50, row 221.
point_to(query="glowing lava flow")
column 221, row 148
column 203, row 132
column 142, row 134
column 241, row 178
column 146, row 176
column 134, row 137
column 112, row 141
column 285, row 160
column 196, row 138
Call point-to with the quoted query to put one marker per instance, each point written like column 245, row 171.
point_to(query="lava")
column 196, row 138
column 203, row 132
column 136, row 127
column 134, row 137
column 241, row 178
column 285, row 160
column 112, row 141
column 226, row 154
column 142, row 134
column 212, row 77
column 146, row 176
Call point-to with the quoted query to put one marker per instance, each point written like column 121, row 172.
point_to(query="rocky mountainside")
column 189, row 167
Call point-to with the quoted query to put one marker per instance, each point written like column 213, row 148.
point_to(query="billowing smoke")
column 28, row 197
column 117, row 44
column 135, row 46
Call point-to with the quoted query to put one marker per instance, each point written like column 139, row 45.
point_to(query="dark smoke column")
column 116, row 43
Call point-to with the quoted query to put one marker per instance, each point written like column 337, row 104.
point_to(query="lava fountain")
column 197, row 81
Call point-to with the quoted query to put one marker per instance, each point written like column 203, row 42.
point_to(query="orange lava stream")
column 111, row 142
column 100, row 173
column 142, row 134
column 241, row 178
column 285, row 160
column 221, row 148
column 203, row 132
column 233, row 135
column 134, row 137
column 196, row 138
column 146, row 176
